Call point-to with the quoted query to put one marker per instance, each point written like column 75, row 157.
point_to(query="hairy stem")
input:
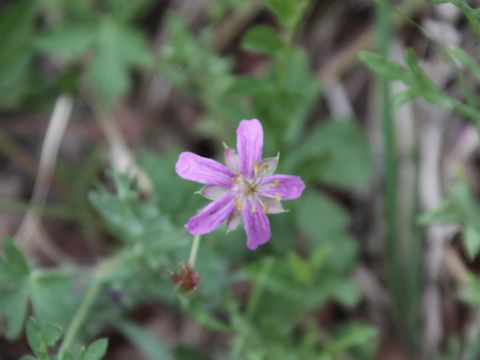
column 194, row 250
column 102, row 270
column 80, row 316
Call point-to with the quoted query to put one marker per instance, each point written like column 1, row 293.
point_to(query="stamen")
column 264, row 205
column 275, row 183
column 278, row 197
column 253, row 210
column 238, row 204
column 265, row 169
column 255, row 168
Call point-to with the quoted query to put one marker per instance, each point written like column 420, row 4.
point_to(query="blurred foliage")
column 43, row 338
column 419, row 84
column 92, row 49
column 48, row 291
column 461, row 205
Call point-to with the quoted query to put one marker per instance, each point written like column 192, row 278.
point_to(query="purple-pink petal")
column 256, row 224
column 206, row 171
column 287, row 187
column 249, row 145
column 211, row 216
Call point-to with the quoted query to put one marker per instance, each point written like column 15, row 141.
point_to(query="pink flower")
column 246, row 188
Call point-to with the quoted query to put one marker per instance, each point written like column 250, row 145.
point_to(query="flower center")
column 245, row 186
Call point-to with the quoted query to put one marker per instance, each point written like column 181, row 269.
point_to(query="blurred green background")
column 97, row 100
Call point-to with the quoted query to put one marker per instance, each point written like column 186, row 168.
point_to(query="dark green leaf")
column 69, row 40
column 262, row 39
column 16, row 26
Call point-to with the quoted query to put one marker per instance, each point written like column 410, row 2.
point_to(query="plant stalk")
column 80, row 316
column 194, row 250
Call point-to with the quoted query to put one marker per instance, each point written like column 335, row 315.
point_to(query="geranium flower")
column 245, row 188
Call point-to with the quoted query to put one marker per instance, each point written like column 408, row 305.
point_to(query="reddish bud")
column 186, row 280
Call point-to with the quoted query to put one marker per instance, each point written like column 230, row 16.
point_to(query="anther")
column 238, row 204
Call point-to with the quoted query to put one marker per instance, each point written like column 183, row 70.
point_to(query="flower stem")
column 194, row 250
column 101, row 271
column 80, row 316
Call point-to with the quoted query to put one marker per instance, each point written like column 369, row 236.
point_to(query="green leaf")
column 15, row 264
column 34, row 337
column 13, row 307
column 288, row 12
column 404, row 97
column 40, row 339
column 48, row 290
column 472, row 241
column 300, row 268
column 165, row 181
column 321, row 219
column 16, row 27
column 349, row 337
column 51, row 334
column 466, row 60
column 383, row 66
column 336, row 153
column 49, row 293
column 262, row 39
column 69, row 40
column 95, row 351
column 150, row 346
column 445, row 213
column 117, row 49
column 14, row 288
column 472, row 14
column 67, row 355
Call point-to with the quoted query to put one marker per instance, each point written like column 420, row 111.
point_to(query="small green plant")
column 42, row 339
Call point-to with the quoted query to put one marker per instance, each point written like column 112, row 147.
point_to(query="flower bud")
column 186, row 280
